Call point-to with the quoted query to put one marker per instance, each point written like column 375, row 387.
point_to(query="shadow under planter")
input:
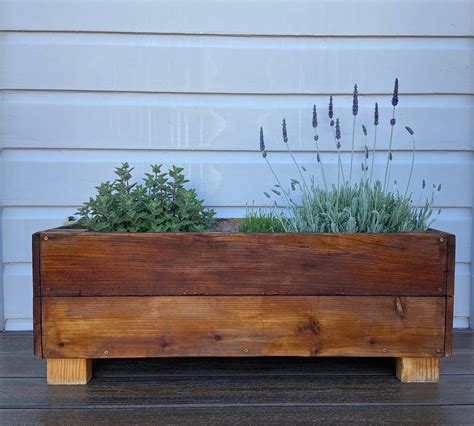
column 119, row 295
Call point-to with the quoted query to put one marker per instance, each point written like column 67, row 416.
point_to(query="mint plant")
column 161, row 204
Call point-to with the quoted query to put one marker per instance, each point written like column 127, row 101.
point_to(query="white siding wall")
column 87, row 85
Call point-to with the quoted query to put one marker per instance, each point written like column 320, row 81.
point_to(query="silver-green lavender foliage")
column 364, row 206
column 160, row 204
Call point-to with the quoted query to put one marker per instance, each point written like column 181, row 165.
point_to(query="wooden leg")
column 418, row 370
column 70, row 371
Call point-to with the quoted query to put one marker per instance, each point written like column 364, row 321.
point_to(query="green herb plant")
column 261, row 220
column 161, row 204
column 366, row 205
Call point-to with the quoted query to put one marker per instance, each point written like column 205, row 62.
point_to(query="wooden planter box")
column 99, row 295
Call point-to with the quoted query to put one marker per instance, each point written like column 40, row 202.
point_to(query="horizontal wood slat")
column 93, row 264
column 190, row 64
column 262, row 17
column 118, row 327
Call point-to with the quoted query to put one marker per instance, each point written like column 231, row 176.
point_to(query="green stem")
column 320, row 162
column 373, row 155
column 388, row 165
column 352, row 148
column 412, row 165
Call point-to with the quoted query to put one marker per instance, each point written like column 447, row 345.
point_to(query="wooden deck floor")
column 235, row 391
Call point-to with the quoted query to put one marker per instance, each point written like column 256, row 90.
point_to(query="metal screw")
column 45, row 238
column 438, row 350
column 246, row 350
column 384, row 350
column 441, row 239
column 106, row 352
column 440, row 288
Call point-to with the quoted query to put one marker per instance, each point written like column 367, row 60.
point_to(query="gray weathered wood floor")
column 235, row 391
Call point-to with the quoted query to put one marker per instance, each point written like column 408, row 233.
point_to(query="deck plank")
column 244, row 415
column 211, row 391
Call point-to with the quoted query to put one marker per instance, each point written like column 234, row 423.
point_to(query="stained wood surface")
column 231, row 391
column 90, row 264
column 36, row 257
column 75, row 371
column 118, row 327
column 274, row 415
column 418, row 370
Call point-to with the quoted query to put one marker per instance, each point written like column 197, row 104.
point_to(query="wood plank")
column 16, row 342
column 118, row 327
column 36, row 260
column 227, row 415
column 418, row 370
column 94, row 264
column 463, row 341
column 448, row 118
column 73, row 371
column 291, row 17
column 189, row 64
column 59, row 173
column 221, row 391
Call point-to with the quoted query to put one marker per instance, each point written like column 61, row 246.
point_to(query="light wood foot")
column 418, row 370
column 70, row 371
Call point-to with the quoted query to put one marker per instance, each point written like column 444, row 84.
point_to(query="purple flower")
column 409, row 130
column 392, row 122
column 283, row 131
column 338, row 129
column 262, row 141
column 355, row 101
column 331, row 108
column 376, row 114
column 315, row 117
column 395, row 93
column 364, row 129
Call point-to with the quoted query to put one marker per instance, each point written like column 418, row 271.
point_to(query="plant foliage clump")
column 350, row 205
column 262, row 221
column 160, row 204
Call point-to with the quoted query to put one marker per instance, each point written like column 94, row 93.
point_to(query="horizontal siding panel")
column 288, row 17
column 55, row 178
column 204, row 64
column 221, row 122
column 19, row 223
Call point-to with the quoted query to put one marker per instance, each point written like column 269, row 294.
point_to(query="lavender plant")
column 363, row 206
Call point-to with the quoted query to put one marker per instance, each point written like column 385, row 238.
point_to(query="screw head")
column 441, row 239
column 45, row 238
column 106, row 352
column 384, row 350
column 246, row 350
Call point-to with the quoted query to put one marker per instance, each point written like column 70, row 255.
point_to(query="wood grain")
column 121, row 327
column 37, row 332
column 73, row 371
column 418, row 370
column 91, row 264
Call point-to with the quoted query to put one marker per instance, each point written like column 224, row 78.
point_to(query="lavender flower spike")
column 395, row 93
column 376, row 114
column 364, row 129
column 355, row 101
column 409, row 130
column 262, row 141
column 315, row 117
column 338, row 129
column 331, row 108
column 284, row 132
